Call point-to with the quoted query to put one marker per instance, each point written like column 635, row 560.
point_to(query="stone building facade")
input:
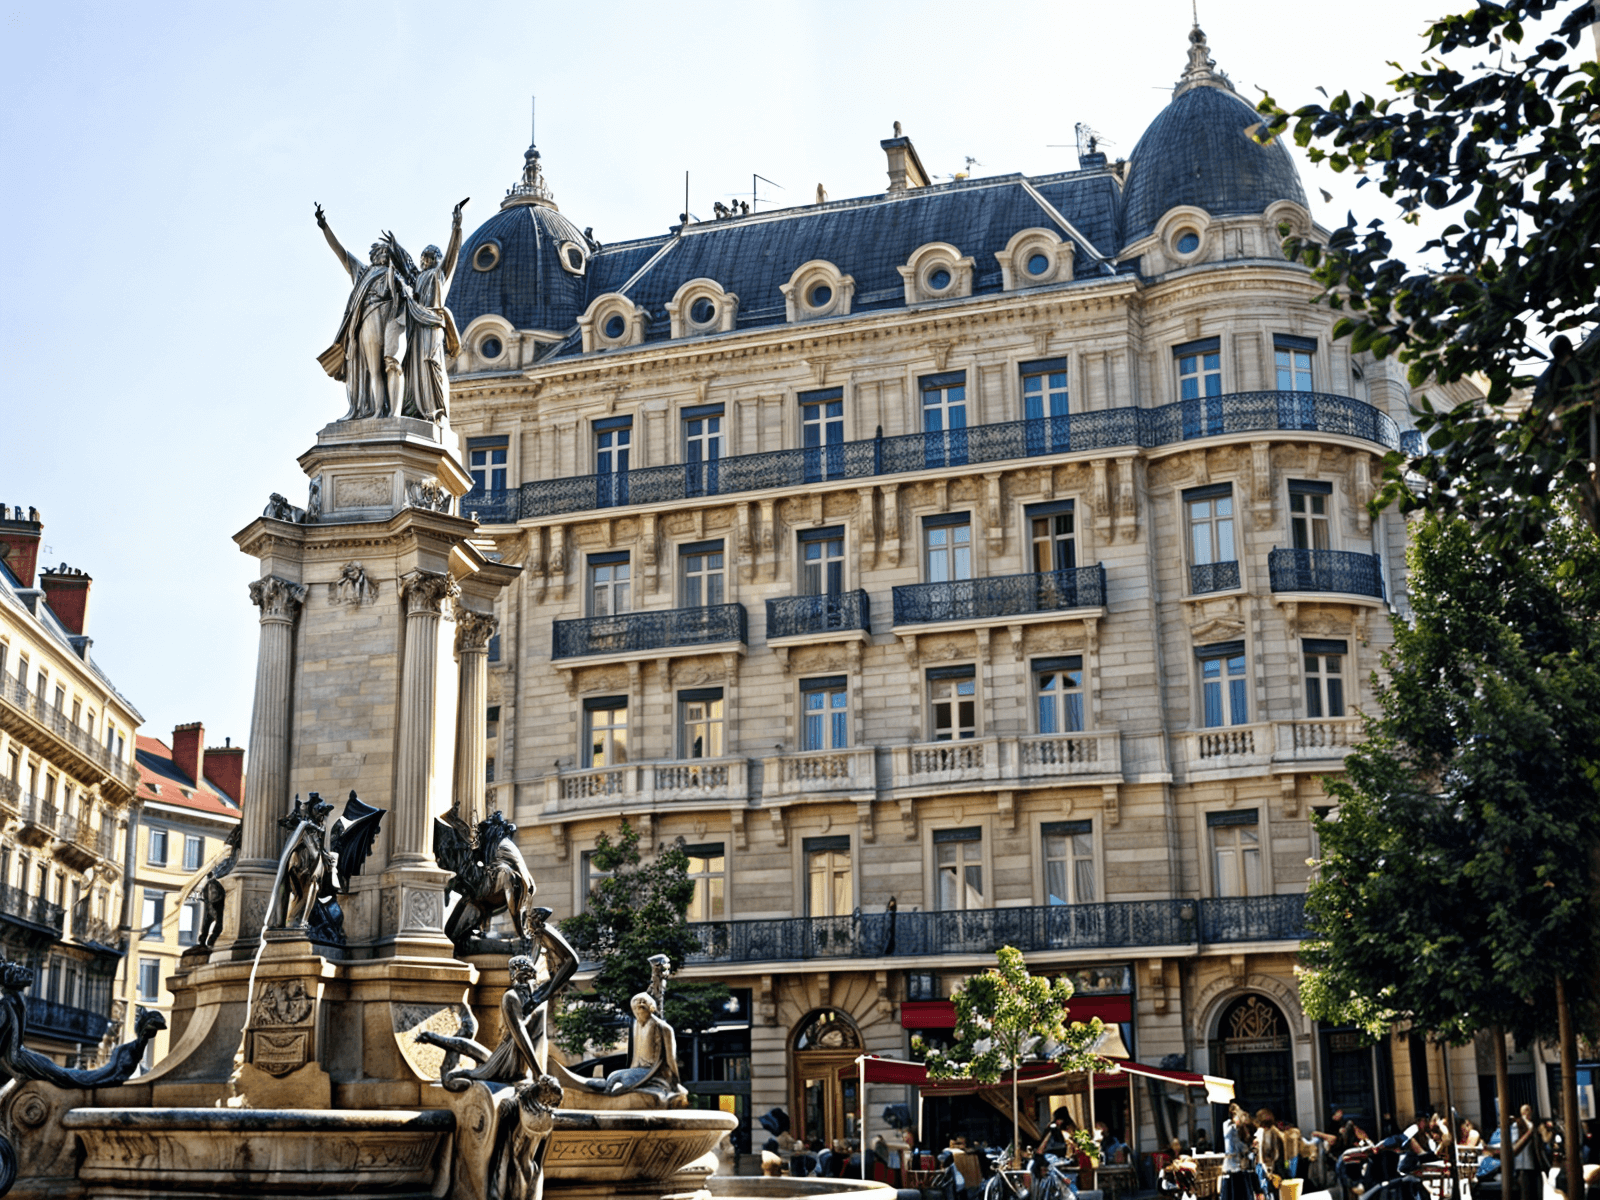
column 995, row 551
column 67, row 801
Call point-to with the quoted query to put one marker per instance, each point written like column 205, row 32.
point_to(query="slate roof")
column 156, row 771
column 1197, row 152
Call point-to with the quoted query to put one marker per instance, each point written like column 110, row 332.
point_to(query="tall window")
column 152, row 914
column 825, row 715
column 700, row 568
column 947, row 547
column 486, row 462
column 1058, row 688
column 822, row 433
column 613, row 443
column 1054, row 536
column 830, row 890
column 953, row 703
column 194, row 852
column 1069, row 862
column 822, row 561
column 1044, row 405
column 702, row 448
column 1235, row 852
column 1199, row 369
column 1293, row 360
column 1308, row 514
column 1324, row 675
column 958, row 862
column 156, row 848
column 150, row 979
column 944, row 418
column 1224, row 686
column 700, row 723
column 1210, row 514
column 605, row 720
column 590, row 875
column 708, row 873
column 610, row 584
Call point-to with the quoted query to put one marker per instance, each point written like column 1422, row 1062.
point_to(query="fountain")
column 320, row 1039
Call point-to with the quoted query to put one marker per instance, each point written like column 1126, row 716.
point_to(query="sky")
column 170, row 291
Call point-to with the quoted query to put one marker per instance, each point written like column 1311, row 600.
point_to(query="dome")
column 527, row 263
column 1197, row 152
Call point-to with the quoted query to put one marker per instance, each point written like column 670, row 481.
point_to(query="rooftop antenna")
column 753, row 198
column 533, row 123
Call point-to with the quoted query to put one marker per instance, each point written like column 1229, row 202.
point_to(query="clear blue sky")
column 170, row 292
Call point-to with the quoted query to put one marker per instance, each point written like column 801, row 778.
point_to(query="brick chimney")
column 66, row 590
column 905, row 168
column 225, row 766
column 19, row 542
column 189, row 750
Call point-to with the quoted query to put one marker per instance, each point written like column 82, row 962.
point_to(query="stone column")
column 424, row 593
column 266, row 795
column 473, row 631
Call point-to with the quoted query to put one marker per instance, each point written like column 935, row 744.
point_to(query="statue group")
column 397, row 331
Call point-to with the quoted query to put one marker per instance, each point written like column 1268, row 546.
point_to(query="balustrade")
column 813, row 771
column 646, row 783
column 1007, row 760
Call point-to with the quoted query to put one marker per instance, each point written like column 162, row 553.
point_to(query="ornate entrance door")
column 1253, row 1049
column 825, row 1106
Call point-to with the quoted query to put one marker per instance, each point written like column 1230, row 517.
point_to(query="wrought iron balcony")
column 1253, row 919
column 92, row 929
column 1326, row 571
column 11, row 794
column 66, row 735
column 35, row 910
column 64, row 1021
column 1114, row 925
column 1000, row 596
column 1213, row 577
column 1106, row 429
column 798, row 616
column 639, row 632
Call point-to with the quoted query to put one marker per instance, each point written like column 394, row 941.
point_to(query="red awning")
column 941, row 1014
column 1034, row 1076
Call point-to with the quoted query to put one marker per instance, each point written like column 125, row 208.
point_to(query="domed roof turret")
column 1199, row 152
column 527, row 263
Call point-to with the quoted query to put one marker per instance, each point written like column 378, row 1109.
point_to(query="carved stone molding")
column 354, row 586
column 427, row 494
column 426, row 591
column 474, row 629
column 278, row 599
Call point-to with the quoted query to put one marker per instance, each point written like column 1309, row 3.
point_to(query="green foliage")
column 635, row 911
column 1005, row 1017
column 1458, row 881
column 1503, row 141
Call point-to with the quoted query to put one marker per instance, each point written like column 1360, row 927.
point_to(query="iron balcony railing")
column 36, row 910
column 1213, row 577
column 92, row 929
column 796, row 616
column 36, row 810
column 1107, row 429
column 15, row 692
column 1115, row 925
column 10, row 793
column 1000, row 596
column 65, row 1021
column 1326, row 571
column 628, row 633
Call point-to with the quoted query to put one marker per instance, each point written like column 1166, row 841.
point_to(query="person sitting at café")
column 1112, row 1148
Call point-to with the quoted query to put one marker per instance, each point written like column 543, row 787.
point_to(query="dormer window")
column 615, row 326
column 611, row 322
column 1034, row 257
column 486, row 257
column 937, row 271
column 702, row 306
column 1187, row 242
column 818, row 289
column 572, row 257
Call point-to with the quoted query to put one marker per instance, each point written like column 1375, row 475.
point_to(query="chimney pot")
column 225, row 768
column 189, row 750
column 19, row 542
column 66, row 590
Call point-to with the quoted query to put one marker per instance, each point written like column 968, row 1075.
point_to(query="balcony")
column 685, row 630
column 1281, row 745
column 1115, row 925
column 63, row 1021
column 39, row 817
column 28, row 716
column 721, row 781
column 75, row 843
column 1213, row 577
column 11, row 796
column 1000, row 598
column 1006, row 762
column 1108, row 430
column 34, row 911
column 92, row 929
column 818, row 618
column 818, row 772
column 1321, row 571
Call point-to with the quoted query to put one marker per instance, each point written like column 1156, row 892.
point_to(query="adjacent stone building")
column 996, row 552
column 67, row 801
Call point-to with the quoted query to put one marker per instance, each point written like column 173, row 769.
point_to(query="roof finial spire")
column 532, row 189
column 1202, row 67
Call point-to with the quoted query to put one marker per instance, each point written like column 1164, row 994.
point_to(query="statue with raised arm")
column 433, row 333
column 368, row 353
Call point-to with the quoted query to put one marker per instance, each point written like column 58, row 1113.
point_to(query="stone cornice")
column 407, row 528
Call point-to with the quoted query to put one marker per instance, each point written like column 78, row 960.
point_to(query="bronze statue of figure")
column 491, row 876
column 653, row 1068
column 523, row 1122
column 316, row 864
column 213, row 897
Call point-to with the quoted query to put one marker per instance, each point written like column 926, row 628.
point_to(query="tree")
column 1456, row 885
column 636, row 909
column 1006, row 1016
column 1507, row 151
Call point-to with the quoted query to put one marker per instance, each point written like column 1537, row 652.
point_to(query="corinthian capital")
column 474, row 629
column 426, row 591
column 278, row 599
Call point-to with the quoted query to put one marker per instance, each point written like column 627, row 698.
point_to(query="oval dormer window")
column 486, row 257
column 615, row 326
column 702, row 311
column 821, row 296
column 1038, row 264
column 572, row 258
column 490, row 348
column 1188, row 242
column 938, row 280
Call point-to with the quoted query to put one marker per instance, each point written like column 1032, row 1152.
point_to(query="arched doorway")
column 824, row 1105
column 1253, row 1048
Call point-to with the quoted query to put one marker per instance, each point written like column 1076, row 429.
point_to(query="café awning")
column 1035, row 1077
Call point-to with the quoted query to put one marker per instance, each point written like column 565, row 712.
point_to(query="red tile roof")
column 154, row 759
